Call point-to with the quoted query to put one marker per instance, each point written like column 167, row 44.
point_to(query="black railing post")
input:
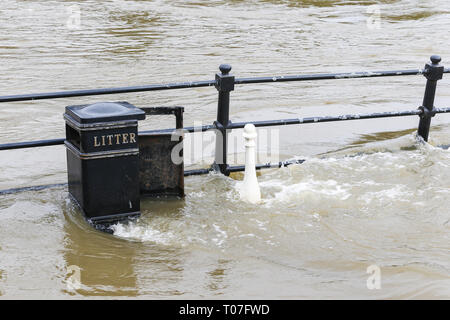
column 224, row 84
column 433, row 72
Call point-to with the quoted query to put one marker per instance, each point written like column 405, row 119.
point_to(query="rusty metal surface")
column 158, row 174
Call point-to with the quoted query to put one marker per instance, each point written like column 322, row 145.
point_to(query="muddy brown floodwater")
column 369, row 197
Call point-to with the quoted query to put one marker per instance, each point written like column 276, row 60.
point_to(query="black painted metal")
column 330, row 76
column 31, row 144
column 433, row 73
column 267, row 165
column 96, row 92
column 53, row 142
column 196, row 172
column 103, row 160
column 32, row 188
column 348, row 117
column 224, row 84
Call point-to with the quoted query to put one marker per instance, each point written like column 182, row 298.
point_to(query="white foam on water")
column 196, row 194
column 322, row 179
column 220, row 237
column 142, row 233
column 359, row 185
column 397, row 193
column 306, row 189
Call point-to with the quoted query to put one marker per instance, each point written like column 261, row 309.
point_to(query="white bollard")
column 250, row 188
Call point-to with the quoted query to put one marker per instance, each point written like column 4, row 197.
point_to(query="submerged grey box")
column 161, row 164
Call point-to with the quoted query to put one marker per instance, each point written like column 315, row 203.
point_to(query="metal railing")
column 225, row 82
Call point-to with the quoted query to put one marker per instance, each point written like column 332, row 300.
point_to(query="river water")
column 366, row 216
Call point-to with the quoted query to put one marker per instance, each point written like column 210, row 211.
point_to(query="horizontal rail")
column 187, row 173
column 238, row 125
column 33, row 188
column 96, row 92
column 185, row 129
column 266, row 123
column 208, row 83
column 331, row 76
column 53, row 142
column 32, row 144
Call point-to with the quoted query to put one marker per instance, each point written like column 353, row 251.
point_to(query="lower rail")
column 239, row 125
column 193, row 172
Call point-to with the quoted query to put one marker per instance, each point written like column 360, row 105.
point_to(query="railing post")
column 433, row 72
column 224, row 84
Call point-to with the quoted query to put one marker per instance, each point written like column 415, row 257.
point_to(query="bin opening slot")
column 73, row 136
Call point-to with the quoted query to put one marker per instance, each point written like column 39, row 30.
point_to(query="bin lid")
column 105, row 112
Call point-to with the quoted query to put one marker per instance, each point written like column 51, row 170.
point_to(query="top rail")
column 209, row 83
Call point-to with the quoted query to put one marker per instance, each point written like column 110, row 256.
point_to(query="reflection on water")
column 380, row 137
column 368, row 194
column 134, row 32
column 109, row 273
column 122, row 267
column 217, row 276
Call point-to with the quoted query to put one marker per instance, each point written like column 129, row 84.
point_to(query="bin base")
column 104, row 223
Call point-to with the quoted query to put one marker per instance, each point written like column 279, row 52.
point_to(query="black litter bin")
column 103, row 159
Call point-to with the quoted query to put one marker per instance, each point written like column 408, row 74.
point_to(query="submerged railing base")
column 192, row 172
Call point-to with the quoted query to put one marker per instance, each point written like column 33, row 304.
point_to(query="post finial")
column 250, row 134
column 225, row 68
column 435, row 59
